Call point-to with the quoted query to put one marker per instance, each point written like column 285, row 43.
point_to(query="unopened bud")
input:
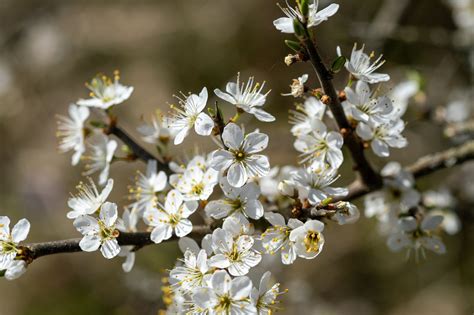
column 286, row 188
column 325, row 99
column 342, row 96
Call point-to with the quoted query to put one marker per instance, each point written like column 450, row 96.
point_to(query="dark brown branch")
column 369, row 176
column 138, row 239
column 137, row 149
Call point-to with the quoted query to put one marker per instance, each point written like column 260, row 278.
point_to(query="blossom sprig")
column 9, row 247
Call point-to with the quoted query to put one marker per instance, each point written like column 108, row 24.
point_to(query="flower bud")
column 287, row 188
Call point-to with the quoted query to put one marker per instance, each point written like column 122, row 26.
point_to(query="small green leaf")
column 299, row 29
column 2, row 272
column 98, row 124
column 293, row 45
column 326, row 202
column 338, row 64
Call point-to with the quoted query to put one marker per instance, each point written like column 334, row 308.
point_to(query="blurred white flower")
column 346, row 213
column 100, row 232
column 100, row 156
column 401, row 94
column 105, row 92
column 302, row 118
column 158, row 131
column 297, row 86
column 71, row 131
column 147, row 186
column 382, row 136
column 128, row 224
column 247, row 97
column 13, row 269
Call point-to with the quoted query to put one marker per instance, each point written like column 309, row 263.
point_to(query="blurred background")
column 48, row 49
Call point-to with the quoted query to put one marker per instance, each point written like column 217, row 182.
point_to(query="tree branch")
column 370, row 177
column 137, row 149
column 31, row 252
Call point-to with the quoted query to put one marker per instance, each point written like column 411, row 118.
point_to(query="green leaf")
column 299, row 29
column 293, row 45
column 338, row 64
column 304, row 7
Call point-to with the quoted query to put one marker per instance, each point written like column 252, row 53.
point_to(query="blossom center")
column 105, row 231
column 311, row 241
column 224, row 303
column 239, row 155
column 8, row 247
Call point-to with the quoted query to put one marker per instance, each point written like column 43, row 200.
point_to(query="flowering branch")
column 31, row 252
column 370, row 178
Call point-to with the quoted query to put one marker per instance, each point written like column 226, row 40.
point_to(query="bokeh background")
column 48, row 49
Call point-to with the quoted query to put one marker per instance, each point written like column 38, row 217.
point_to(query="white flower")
column 105, row 92
column 277, row 237
column 14, row 269
column 147, row 186
column 320, row 147
column 198, row 160
column 265, row 297
column 101, row 155
column 128, row 224
column 365, row 109
column 359, row 66
column 99, row 232
column 297, row 87
column 195, row 184
column 173, row 216
column 270, row 184
column 382, row 136
column 303, row 116
column 315, row 184
column 247, row 97
column 225, row 295
column 187, row 243
column 191, row 115
column 308, row 239
column 401, row 94
column 9, row 241
column 346, row 213
column 158, row 131
column 192, row 274
column 88, row 200
column 417, row 236
column 239, row 202
column 241, row 160
column 236, row 254
column 315, row 17
column 71, row 131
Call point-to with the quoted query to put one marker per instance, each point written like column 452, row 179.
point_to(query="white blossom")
column 265, row 297
column 105, row 92
column 417, row 235
column 100, row 156
column 190, row 114
column 247, row 97
column 277, row 237
column 320, row 147
column 241, row 202
column 308, row 239
column 71, row 131
column 315, row 17
column 302, row 118
column 225, row 295
column 297, row 86
column 195, row 184
column 360, row 67
column 193, row 273
column 401, row 94
column 14, row 269
column 88, row 200
column 99, row 232
column 147, row 186
column 382, row 136
column 366, row 109
column 234, row 254
column 9, row 241
column 346, row 213
column 240, row 159
column 158, row 131
column 315, row 184
column 173, row 216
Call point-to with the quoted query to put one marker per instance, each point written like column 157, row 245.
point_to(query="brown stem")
column 370, row 177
